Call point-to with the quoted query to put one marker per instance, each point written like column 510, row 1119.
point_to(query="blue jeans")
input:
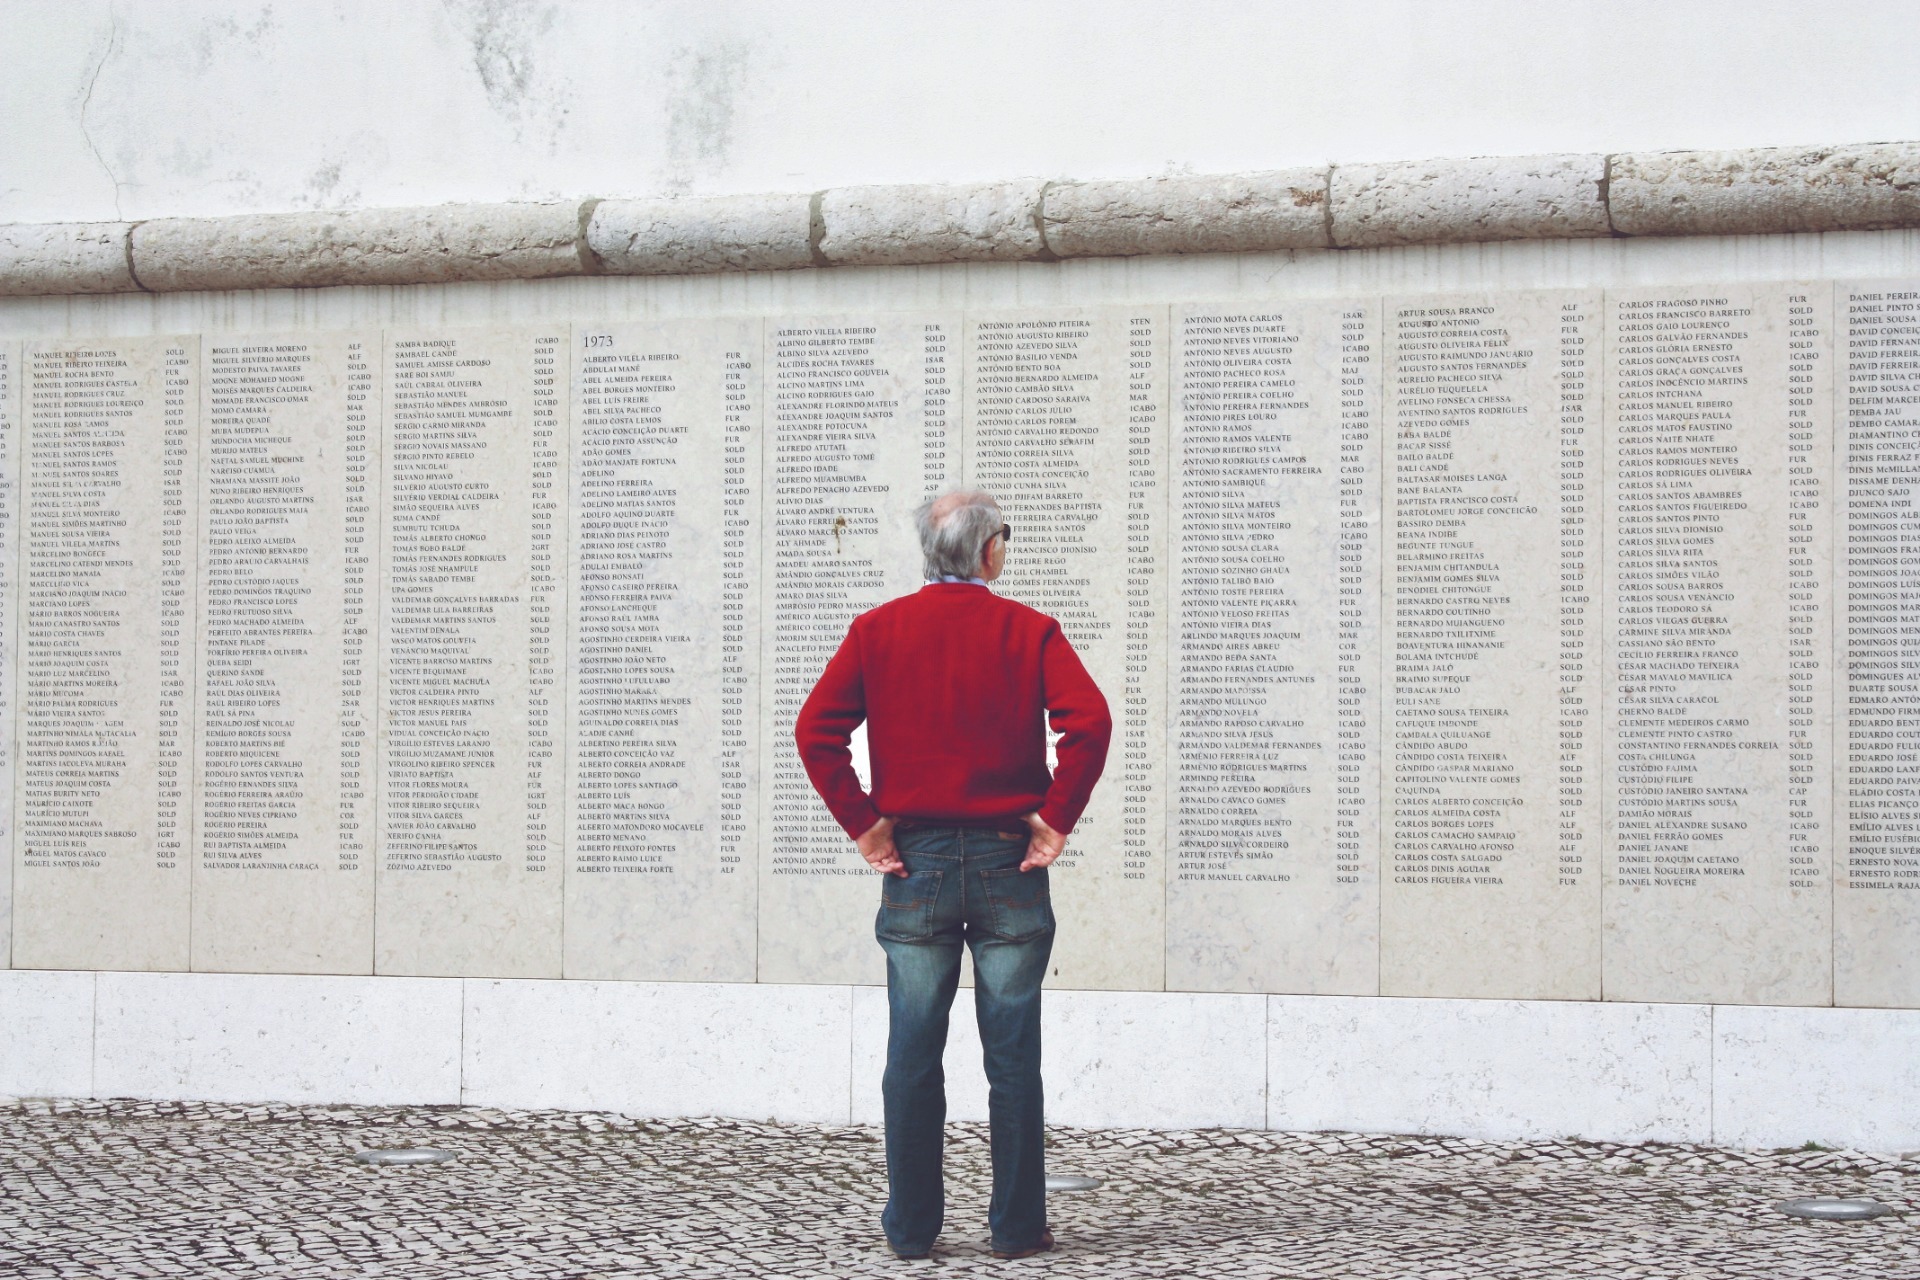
column 963, row 885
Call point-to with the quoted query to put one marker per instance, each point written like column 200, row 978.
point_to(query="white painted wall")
column 146, row 108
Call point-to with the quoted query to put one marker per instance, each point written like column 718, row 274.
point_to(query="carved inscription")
column 101, row 876
column 864, row 422
column 1718, row 721
column 1276, row 507
column 473, row 548
column 282, row 878
column 1487, row 630
column 666, row 479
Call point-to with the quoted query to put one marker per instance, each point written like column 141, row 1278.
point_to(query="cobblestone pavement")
column 106, row 1190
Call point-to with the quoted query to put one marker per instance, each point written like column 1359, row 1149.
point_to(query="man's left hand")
column 1044, row 846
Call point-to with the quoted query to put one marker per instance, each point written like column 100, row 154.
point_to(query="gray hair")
column 954, row 530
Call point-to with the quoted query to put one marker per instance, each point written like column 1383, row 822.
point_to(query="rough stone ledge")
column 1868, row 187
column 1235, row 213
column 373, row 246
column 909, row 225
column 65, row 257
column 1442, row 201
column 715, row 233
column 1861, row 187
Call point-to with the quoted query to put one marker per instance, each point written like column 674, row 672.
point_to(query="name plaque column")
column 1066, row 426
column 1876, row 927
column 863, row 424
column 1274, row 693
column 471, row 732
column 101, row 876
column 1491, row 514
column 283, row 879
column 10, row 434
column 664, row 644
column 1718, row 710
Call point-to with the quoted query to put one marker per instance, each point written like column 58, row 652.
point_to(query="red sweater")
column 956, row 685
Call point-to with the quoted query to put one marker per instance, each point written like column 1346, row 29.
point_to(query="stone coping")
column 1869, row 186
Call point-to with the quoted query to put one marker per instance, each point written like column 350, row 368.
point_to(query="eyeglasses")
column 1005, row 535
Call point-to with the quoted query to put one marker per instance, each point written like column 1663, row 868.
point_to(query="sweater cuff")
column 1057, row 820
column 859, row 820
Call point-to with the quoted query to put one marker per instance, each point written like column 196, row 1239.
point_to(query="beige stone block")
column 1717, row 717
column 64, row 257
column 471, row 701
column 666, row 520
column 283, row 862
column 1492, row 198
column 1066, row 427
column 700, row 234
column 907, row 225
column 1489, row 887
column 1274, row 651
column 1235, row 213
column 435, row 245
column 106, row 774
column 864, row 418
column 1761, row 191
column 1875, row 626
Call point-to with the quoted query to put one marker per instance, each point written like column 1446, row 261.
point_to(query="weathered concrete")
column 716, row 233
column 64, row 257
column 1496, row 198
column 1700, row 193
column 1235, row 213
column 373, row 246
column 907, row 225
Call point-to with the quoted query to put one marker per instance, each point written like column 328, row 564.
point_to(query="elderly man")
column 956, row 686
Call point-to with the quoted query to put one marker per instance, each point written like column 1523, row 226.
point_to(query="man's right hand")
column 876, row 846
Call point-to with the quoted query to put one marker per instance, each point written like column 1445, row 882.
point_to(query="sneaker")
column 1045, row 1245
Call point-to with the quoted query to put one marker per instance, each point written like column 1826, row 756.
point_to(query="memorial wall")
column 1556, row 644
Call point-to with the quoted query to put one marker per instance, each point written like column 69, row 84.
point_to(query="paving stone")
column 115, row 1190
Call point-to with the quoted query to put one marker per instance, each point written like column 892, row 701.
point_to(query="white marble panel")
column 46, row 1034
column 1494, row 1069
column 663, row 642
column 473, row 580
column 863, row 423
column 10, row 601
column 101, row 877
column 1066, row 427
column 1840, row 1077
column 1274, row 694
column 660, row 1049
column 1165, row 1060
column 1876, row 649
column 283, row 868
column 1717, row 717
column 1487, row 886
column 260, row 1038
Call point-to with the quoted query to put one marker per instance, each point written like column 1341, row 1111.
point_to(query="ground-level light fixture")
column 403, row 1155
column 1067, row 1182
column 1828, row 1209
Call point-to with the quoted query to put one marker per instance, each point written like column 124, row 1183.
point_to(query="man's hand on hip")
column 876, row 846
column 1045, row 845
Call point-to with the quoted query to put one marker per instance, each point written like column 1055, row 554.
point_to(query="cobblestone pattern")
column 112, row 1190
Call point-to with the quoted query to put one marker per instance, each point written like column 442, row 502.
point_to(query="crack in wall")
column 86, row 104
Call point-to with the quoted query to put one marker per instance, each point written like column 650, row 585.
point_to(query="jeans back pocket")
column 1019, row 905
column 906, row 906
